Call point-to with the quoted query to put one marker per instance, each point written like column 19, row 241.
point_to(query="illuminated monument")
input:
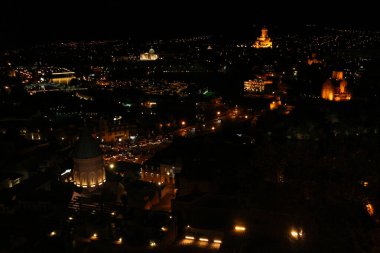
column 335, row 88
column 150, row 56
column 263, row 41
column 88, row 168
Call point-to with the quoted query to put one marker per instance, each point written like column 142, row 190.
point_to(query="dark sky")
column 34, row 20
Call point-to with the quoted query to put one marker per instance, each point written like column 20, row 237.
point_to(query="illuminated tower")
column 335, row 88
column 88, row 168
column 263, row 41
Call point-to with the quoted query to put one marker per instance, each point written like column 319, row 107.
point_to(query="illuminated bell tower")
column 264, row 32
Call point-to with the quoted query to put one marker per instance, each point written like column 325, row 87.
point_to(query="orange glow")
column 370, row 209
column 183, row 123
column 217, row 241
column 335, row 88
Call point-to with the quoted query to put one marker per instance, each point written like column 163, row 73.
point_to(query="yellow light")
column 71, row 218
column 189, row 237
column 217, row 241
column 113, row 213
column 239, row 228
column 365, row 183
column 203, row 239
column 164, row 229
column 183, row 122
column 218, row 113
column 94, row 236
column 188, row 226
column 296, row 234
column 112, row 166
column 152, row 244
column 52, row 234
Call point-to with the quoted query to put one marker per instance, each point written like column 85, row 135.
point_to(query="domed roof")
column 86, row 147
column 151, row 51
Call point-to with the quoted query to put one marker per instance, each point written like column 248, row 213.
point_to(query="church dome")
column 151, row 51
column 88, row 170
column 86, row 147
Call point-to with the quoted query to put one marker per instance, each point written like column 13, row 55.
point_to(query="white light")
column 203, row 239
column 65, row 172
column 217, row 241
column 119, row 241
column 189, row 237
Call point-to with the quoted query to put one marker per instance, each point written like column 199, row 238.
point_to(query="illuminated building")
column 275, row 104
column 313, row 59
column 263, row 41
column 150, row 56
column 256, row 85
column 335, row 88
column 158, row 173
column 88, row 168
column 114, row 131
column 63, row 77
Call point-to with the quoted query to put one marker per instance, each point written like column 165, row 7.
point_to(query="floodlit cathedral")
column 335, row 88
column 263, row 41
column 88, row 168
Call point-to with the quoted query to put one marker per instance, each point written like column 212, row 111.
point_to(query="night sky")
column 40, row 21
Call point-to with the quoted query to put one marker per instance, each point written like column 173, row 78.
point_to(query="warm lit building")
column 256, row 85
column 313, row 59
column 114, row 131
column 62, row 77
column 157, row 173
column 88, row 171
column 335, row 88
column 149, row 56
column 263, row 41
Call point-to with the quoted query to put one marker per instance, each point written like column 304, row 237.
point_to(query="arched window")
column 83, row 179
column 92, row 178
column 100, row 176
